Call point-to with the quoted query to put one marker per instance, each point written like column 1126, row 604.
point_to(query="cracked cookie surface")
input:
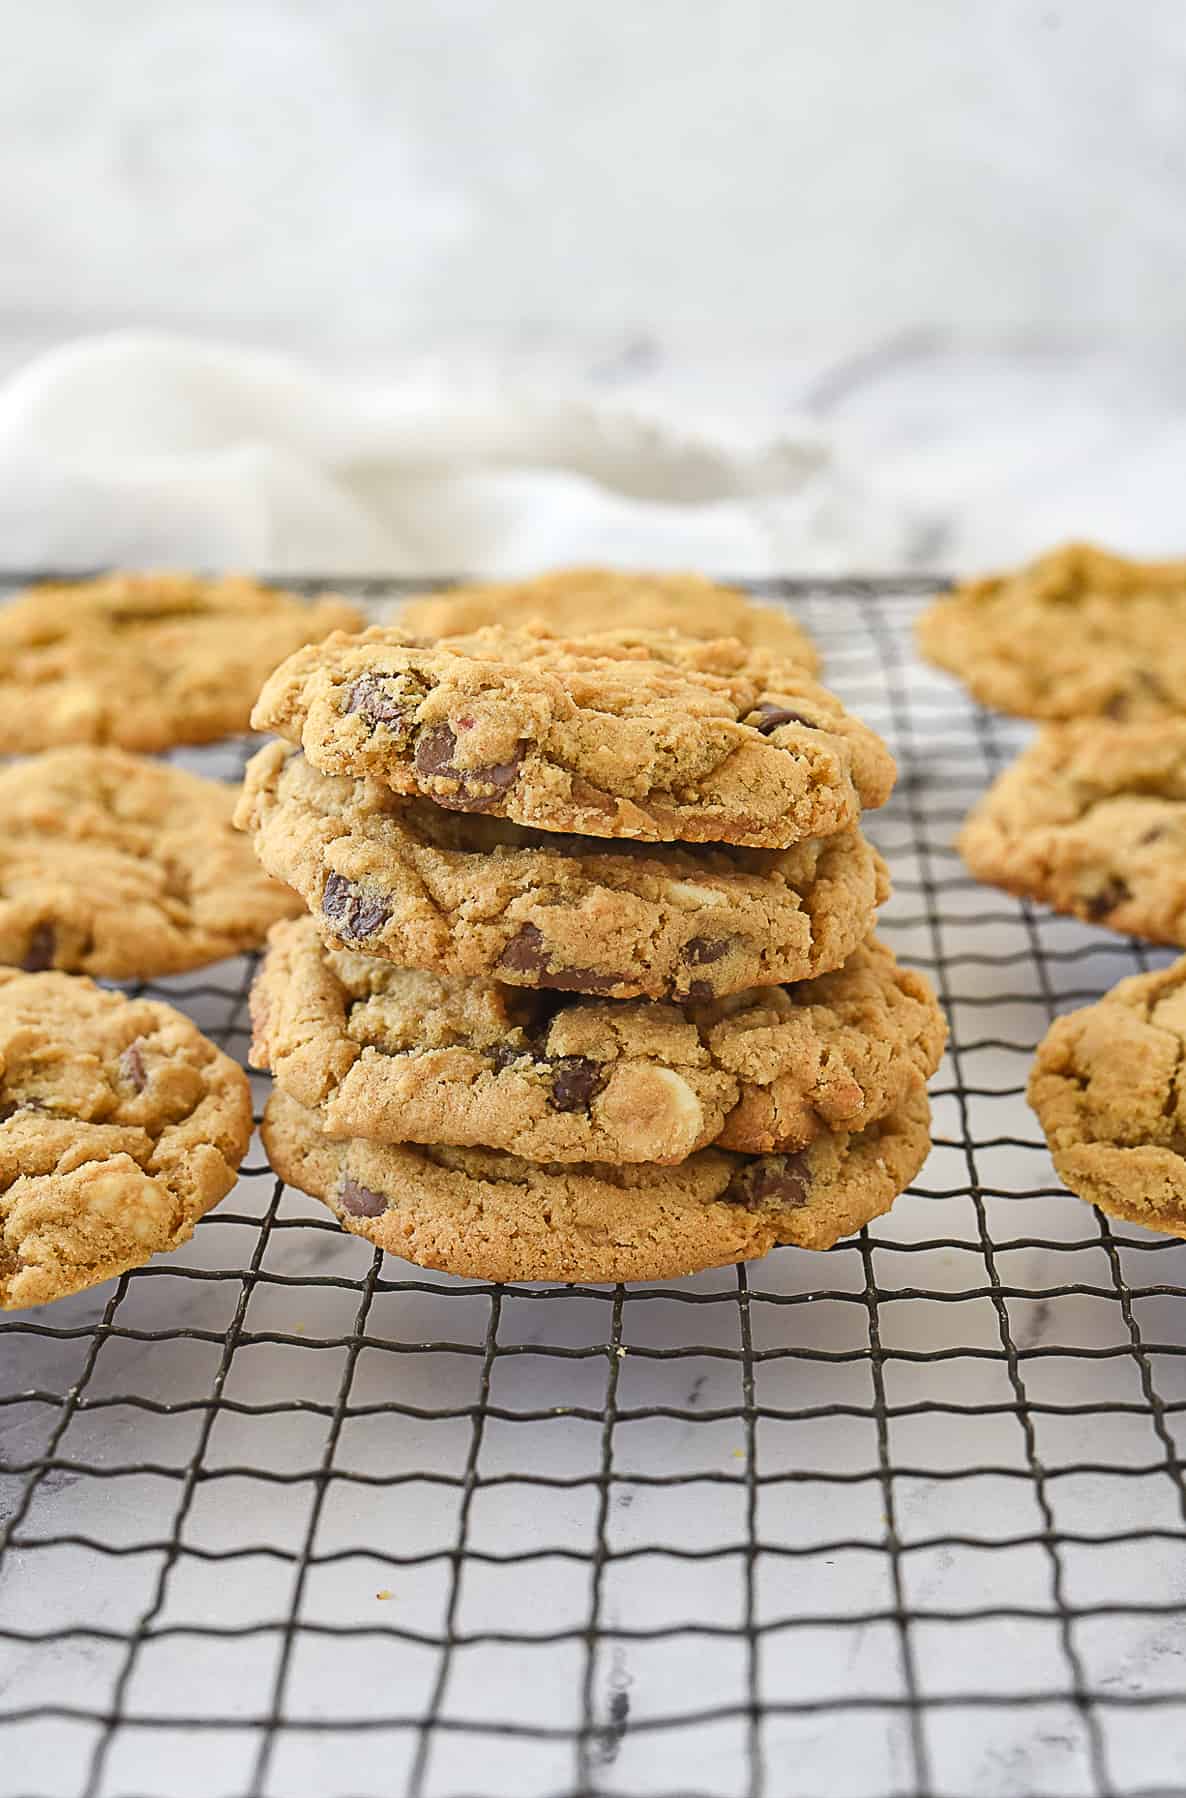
column 463, row 894
column 574, row 600
column 146, row 661
column 401, row 1055
column 1109, row 1088
column 120, row 1126
column 627, row 734
column 491, row 1216
column 115, row 865
column 1078, row 633
column 1091, row 819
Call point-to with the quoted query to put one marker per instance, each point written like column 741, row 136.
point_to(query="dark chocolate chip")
column 699, row 991
column 11, row 1107
column 505, row 1056
column 1107, row 899
column 356, row 914
column 375, row 700
column 576, row 1081
column 131, row 1066
column 699, row 950
column 525, row 954
column 767, row 717
column 40, row 953
column 434, row 759
column 780, row 1181
column 358, row 1200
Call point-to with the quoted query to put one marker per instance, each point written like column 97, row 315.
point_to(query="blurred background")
column 950, row 231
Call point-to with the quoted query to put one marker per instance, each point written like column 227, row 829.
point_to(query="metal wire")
column 283, row 1517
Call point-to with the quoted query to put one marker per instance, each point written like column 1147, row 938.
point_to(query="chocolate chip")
column 699, row 991
column 40, row 953
column 370, row 696
column 11, row 1107
column 359, row 1201
column 1107, row 899
column 356, row 914
column 702, row 949
column 781, row 1181
column 525, row 954
column 575, row 1082
column 434, row 759
column 767, row 717
column 131, row 1066
column 504, row 1056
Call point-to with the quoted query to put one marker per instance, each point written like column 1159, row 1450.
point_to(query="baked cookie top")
column 146, row 660
column 490, row 1216
column 1108, row 1089
column 402, row 1055
column 120, row 1126
column 572, row 601
column 1092, row 820
column 1078, row 633
column 463, row 894
column 644, row 734
column 114, row 865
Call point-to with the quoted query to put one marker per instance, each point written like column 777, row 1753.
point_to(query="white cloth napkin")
column 142, row 449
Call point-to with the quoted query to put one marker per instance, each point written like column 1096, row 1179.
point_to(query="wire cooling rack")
column 282, row 1517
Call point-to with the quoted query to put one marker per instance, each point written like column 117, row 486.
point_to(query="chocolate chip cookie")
column 464, row 894
column 1092, row 820
column 146, row 661
column 114, row 865
column 644, row 735
column 120, row 1126
column 571, row 601
column 1078, row 633
column 491, row 1216
column 402, row 1055
column 1109, row 1087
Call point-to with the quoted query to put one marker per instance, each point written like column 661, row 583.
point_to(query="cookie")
column 643, row 735
column 114, row 865
column 464, row 894
column 120, row 1126
column 571, row 601
column 401, row 1055
column 1108, row 1089
column 1078, row 633
column 1092, row 820
column 491, row 1216
column 146, row 661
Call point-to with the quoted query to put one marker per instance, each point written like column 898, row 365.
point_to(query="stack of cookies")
column 587, row 989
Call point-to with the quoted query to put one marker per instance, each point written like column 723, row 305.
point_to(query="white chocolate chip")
column 686, row 892
column 653, row 1111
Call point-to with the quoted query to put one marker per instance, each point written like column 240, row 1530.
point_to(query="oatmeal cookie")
column 120, row 1126
column 491, row 1216
column 644, row 735
column 463, row 894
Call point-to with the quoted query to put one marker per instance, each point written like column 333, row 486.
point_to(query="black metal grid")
column 908, row 1518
